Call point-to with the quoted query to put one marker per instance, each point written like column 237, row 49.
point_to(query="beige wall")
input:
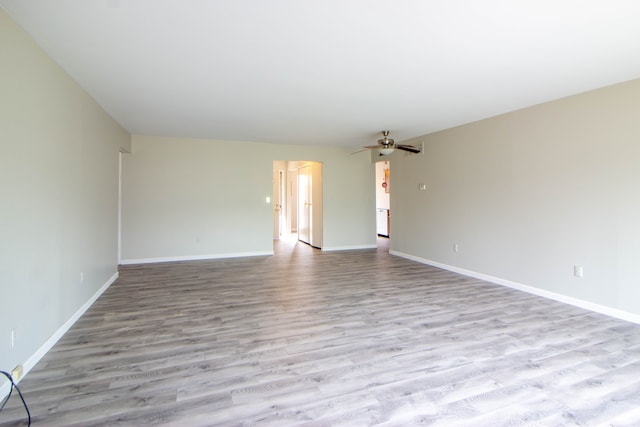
column 529, row 194
column 58, row 196
column 189, row 198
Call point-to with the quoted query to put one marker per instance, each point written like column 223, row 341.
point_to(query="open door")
column 310, row 204
column 292, row 199
column 304, row 204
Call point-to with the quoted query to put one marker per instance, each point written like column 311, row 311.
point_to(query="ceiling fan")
column 387, row 145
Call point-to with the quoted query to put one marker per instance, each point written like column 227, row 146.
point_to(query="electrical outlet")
column 456, row 248
column 17, row 373
column 81, row 277
column 13, row 338
column 577, row 271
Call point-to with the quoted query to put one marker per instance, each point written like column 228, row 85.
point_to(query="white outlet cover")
column 577, row 271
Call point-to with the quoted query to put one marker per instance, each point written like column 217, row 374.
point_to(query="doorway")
column 297, row 202
column 278, row 202
column 383, row 199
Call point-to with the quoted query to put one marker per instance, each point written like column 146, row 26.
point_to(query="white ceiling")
column 330, row 71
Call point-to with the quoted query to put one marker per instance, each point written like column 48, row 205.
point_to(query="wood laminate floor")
column 331, row 339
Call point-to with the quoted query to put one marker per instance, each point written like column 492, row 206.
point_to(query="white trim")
column 35, row 357
column 598, row 308
column 119, row 206
column 194, row 257
column 348, row 248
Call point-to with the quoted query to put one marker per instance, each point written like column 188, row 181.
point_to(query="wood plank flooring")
column 331, row 339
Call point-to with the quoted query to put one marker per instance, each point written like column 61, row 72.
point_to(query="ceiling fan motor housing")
column 386, row 141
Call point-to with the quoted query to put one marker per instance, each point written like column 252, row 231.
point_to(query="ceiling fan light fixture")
column 385, row 151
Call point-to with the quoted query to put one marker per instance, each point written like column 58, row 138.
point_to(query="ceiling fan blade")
column 371, row 146
column 360, row 151
column 409, row 148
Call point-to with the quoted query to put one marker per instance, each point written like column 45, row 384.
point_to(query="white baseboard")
column 35, row 358
column 194, row 257
column 598, row 308
column 347, row 248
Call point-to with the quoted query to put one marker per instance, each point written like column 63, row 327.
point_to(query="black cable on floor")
column 14, row 385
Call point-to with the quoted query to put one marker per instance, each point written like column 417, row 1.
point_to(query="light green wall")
column 529, row 194
column 58, row 195
column 189, row 198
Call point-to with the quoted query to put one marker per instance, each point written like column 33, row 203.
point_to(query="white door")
column 292, row 201
column 310, row 204
column 316, row 204
column 304, row 204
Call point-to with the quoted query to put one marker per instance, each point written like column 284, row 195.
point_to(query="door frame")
column 279, row 201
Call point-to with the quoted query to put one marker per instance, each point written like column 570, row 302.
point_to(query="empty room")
column 193, row 234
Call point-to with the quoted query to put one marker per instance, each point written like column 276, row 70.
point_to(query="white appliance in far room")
column 382, row 222
column 382, row 198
